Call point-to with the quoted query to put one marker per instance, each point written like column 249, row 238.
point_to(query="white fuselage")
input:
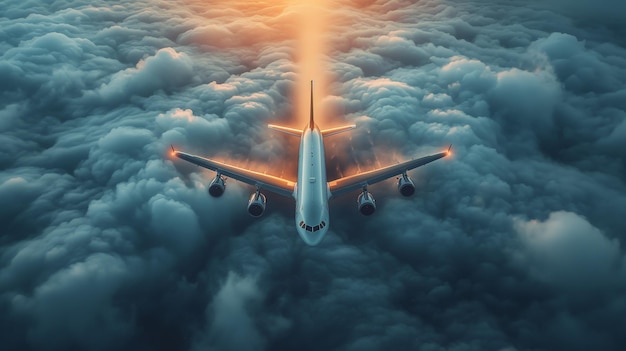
column 311, row 191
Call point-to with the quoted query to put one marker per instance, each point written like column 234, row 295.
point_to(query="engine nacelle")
column 256, row 204
column 366, row 203
column 217, row 186
column 406, row 186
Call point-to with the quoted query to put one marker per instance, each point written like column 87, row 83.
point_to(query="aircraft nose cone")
column 312, row 238
column 313, row 231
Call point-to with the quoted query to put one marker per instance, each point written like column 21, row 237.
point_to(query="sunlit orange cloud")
column 266, row 8
column 303, row 22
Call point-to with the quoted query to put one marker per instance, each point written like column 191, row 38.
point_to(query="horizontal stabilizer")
column 286, row 130
column 333, row 131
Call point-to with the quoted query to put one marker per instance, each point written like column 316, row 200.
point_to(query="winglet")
column 311, row 122
column 449, row 152
column 173, row 151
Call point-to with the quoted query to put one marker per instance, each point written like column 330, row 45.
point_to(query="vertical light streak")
column 310, row 58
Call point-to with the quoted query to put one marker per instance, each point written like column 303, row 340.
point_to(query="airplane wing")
column 264, row 181
column 357, row 181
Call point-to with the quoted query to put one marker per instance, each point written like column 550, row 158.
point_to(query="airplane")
column 311, row 191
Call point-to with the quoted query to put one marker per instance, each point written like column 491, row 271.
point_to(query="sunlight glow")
column 311, row 56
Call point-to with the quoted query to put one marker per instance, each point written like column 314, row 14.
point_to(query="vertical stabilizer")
column 311, row 122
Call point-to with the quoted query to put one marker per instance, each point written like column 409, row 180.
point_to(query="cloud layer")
column 513, row 244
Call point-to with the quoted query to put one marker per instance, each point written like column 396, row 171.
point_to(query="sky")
column 512, row 244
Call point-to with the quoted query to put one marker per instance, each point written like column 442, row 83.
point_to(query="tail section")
column 311, row 122
column 327, row 132
column 298, row 133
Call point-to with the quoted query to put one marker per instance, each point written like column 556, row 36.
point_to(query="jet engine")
column 217, row 186
column 406, row 186
column 366, row 203
column 256, row 204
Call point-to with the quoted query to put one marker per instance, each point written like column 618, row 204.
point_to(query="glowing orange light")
column 311, row 49
column 173, row 152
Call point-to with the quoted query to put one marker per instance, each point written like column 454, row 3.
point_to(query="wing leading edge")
column 357, row 181
column 265, row 181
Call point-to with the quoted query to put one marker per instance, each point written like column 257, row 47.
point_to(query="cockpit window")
column 309, row 228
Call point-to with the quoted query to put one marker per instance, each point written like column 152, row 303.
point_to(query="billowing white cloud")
column 166, row 70
column 566, row 250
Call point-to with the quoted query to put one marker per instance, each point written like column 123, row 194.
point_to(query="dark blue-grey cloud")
column 513, row 244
